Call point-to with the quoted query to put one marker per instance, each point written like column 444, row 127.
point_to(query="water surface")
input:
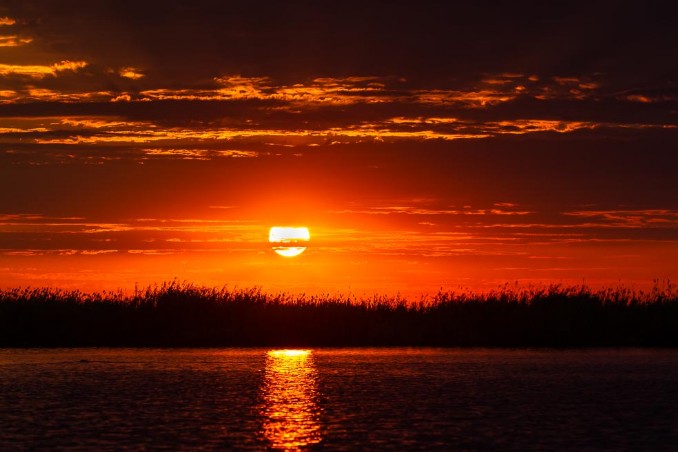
column 338, row 399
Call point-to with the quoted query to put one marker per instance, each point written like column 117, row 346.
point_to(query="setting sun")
column 289, row 353
column 289, row 241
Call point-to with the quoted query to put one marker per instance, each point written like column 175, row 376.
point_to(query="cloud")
column 632, row 218
column 378, row 89
column 131, row 73
column 328, row 91
column 133, row 131
column 13, row 41
column 198, row 154
column 425, row 208
column 41, row 71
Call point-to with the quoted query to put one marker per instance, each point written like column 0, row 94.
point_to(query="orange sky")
column 146, row 144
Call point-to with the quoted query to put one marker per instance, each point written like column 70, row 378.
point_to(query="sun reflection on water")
column 290, row 411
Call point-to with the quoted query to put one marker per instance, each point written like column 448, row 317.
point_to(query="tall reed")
column 183, row 314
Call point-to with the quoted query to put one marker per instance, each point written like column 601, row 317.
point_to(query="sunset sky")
column 425, row 145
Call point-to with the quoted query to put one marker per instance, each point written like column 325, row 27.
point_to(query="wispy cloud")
column 633, row 218
column 426, row 207
column 131, row 73
column 198, row 154
column 14, row 41
column 41, row 71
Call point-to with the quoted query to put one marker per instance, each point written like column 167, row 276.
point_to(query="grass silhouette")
column 177, row 314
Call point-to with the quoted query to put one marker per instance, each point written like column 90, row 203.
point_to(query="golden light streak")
column 290, row 409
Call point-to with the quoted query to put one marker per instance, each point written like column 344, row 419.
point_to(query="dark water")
column 339, row 399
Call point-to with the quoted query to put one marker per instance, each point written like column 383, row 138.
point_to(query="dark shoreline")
column 176, row 315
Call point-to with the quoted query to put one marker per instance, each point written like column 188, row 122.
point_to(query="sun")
column 289, row 241
column 289, row 353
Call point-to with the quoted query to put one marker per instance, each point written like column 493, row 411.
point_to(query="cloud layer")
column 446, row 144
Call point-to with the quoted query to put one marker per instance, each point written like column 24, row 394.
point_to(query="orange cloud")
column 32, row 94
column 131, row 73
column 41, row 71
column 337, row 91
column 237, row 87
column 175, row 140
column 14, row 41
column 198, row 154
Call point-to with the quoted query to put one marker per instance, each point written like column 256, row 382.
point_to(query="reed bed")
column 178, row 314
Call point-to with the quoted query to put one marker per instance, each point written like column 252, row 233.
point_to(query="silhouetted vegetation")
column 181, row 314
